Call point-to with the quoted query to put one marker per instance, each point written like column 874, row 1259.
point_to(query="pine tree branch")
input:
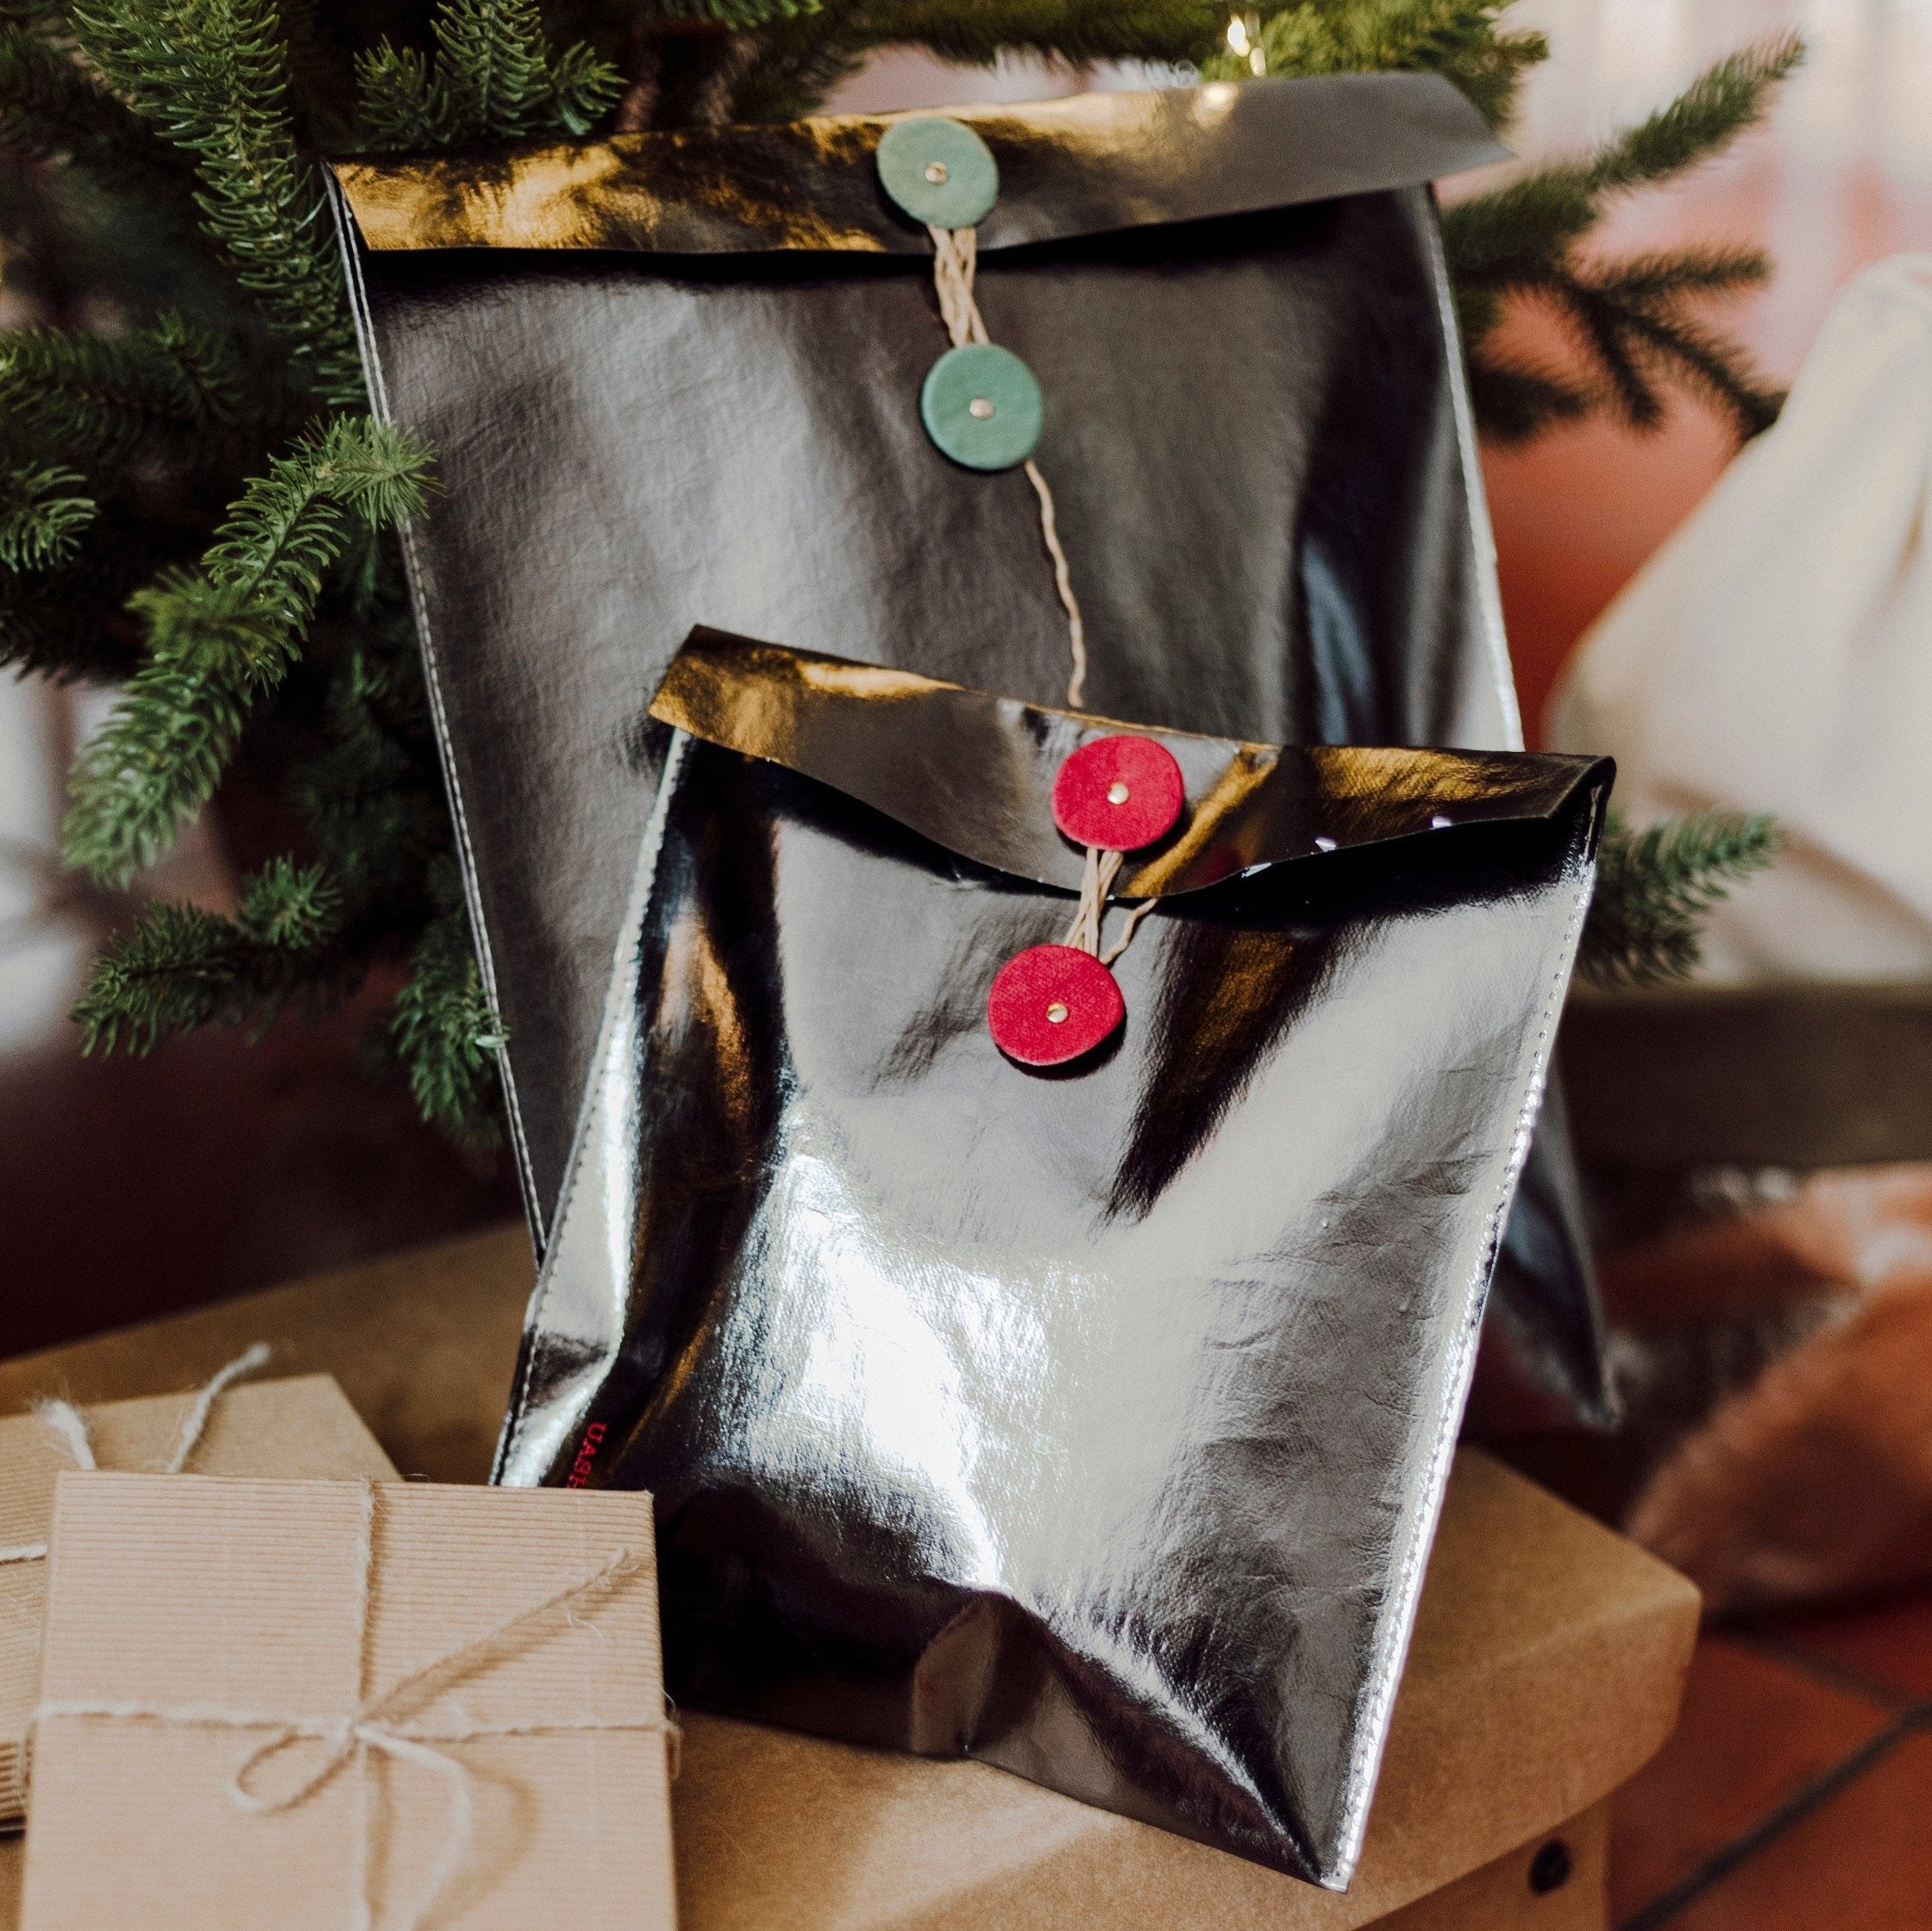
column 1460, row 39
column 495, row 78
column 1629, row 319
column 105, row 401
column 42, row 517
column 1516, row 397
column 1704, row 119
column 180, row 968
column 494, row 66
column 1654, row 888
column 398, row 109
column 444, row 1031
column 783, row 60
column 737, row 14
column 1518, row 237
column 69, row 620
column 364, row 776
column 52, row 110
column 1654, row 280
column 1634, row 340
column 801, row 52
column 582, row 89
column 221, row 637
column 293, row 627
column 211, row 77
column 1703, row 360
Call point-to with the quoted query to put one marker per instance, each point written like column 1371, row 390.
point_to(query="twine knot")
column 381, row 1723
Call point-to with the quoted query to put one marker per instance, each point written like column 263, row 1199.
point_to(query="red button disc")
column 1119, row 792
column 1052, row 1003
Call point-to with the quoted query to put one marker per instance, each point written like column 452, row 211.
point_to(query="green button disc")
column 981, row 405
column 938, row 171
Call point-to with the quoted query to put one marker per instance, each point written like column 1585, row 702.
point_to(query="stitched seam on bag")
column 381, row 407
column 623, row 986
column 1392, row 1638
column 479, row 935
column 1475, row 502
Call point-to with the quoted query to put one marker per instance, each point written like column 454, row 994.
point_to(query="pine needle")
column 41, row 518
column 211, row 77
column 444, row 1031
column 495, row 78
column 1654, row 888
column 1635, row 322
column 52, row 110
column 1702, row 121
column 102, row 402
column 223, row 636
column 180, row 968
column 1460, row 39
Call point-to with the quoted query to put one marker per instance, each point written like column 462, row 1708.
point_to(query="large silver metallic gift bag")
column 1084, row 1411
column 683, row 377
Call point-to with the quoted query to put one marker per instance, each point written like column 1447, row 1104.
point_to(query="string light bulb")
column 1244, row 40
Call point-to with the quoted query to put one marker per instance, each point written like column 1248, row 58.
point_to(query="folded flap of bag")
column 973, row 773
column 1088, row 164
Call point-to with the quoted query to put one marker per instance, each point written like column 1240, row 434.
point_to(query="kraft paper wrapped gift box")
column 301, row 1425
column 1547, row 1667
column 293, row 1703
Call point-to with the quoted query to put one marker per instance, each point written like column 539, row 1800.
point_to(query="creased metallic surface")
column 1068, row 167
column 974, row 772
column 1095, row 1424
column 1262, row 476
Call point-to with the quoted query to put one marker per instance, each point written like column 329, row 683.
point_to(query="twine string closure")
column 67, row 1422
column 1096, row 882
column 954, row 265
column 381, row 1722
column 956, row 254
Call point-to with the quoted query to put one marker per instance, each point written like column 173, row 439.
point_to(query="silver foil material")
column 673, row 377
column 1091, row 1424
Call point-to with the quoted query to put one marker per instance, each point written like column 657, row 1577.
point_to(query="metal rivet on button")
column 938, row 171
column 1119, row 793
column 982, row 406
column 1051, row 1004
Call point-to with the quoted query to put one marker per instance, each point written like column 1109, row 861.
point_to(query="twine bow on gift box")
column 66, row 1421
column 379, row 1723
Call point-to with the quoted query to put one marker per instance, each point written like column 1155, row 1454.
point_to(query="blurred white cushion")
column 1776, row 655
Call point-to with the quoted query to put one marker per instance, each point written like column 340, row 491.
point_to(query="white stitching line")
column 479, row 931
column 1488, row 591
column 380, row 406
column 1396, row 1623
